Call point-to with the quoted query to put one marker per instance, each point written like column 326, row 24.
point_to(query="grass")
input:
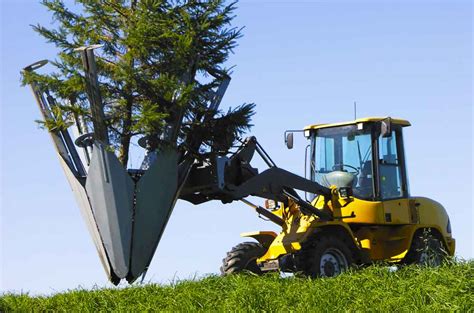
column 447, row 288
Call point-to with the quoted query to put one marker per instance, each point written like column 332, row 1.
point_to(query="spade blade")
column 155, row 198
column 110, row 189
column 87, row 214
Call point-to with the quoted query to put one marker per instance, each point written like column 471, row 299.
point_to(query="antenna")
column 355, row 110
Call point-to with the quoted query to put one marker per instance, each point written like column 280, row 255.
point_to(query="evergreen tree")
column 154, row 52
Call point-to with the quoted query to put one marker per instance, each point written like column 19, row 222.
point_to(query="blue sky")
column 302, row 63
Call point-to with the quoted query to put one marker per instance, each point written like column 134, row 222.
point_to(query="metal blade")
column 59, row 144
column 68, row 141
column 110, row 190
column 86, row 211
column 61, row 140
column 93, row 92
column 155, row 197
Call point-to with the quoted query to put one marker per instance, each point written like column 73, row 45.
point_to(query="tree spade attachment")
column 125, row 210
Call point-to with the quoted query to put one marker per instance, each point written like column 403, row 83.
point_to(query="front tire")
column 242, row 258
column 325, row 256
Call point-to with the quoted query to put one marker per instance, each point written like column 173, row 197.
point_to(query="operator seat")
column 364, row 189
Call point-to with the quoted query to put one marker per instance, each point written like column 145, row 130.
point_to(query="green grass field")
column 447, row 288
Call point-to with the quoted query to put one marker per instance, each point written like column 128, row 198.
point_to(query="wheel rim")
column 333, row 262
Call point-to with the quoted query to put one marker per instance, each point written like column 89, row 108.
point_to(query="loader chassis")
column 378, row 221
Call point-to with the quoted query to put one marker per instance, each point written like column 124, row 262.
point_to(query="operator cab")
column 366, row 154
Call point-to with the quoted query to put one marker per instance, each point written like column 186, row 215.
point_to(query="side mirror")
column 386, row 127
column 289, row 140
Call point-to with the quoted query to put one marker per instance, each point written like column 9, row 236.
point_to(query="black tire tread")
column 312, row 248
column 238, row 258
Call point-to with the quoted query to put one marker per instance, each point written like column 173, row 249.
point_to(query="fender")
column 265, row 238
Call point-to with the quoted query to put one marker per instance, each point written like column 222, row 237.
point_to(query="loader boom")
column 233, row 178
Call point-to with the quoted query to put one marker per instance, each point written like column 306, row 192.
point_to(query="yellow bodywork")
column 377, row 239
column 298, row 226
column 397, row 121
column 381, row 230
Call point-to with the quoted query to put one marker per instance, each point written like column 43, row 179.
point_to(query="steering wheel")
column 341, row 166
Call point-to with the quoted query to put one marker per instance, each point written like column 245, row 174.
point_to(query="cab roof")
column 396, row 121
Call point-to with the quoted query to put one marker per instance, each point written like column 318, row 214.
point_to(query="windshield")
column 346, row 149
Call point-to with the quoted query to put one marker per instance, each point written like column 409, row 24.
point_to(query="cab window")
column 347, row 149
column 390, row 168
column 325, row 154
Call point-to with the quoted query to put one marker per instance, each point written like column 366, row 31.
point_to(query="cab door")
column 392, row 179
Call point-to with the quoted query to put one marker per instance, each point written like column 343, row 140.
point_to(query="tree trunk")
column 127, row 133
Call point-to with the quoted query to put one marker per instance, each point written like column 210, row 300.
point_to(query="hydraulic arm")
column 233, row 178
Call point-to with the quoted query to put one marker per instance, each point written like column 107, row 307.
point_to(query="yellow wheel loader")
column 357, row 210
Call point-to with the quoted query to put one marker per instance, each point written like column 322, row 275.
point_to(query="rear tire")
column 325, row 256
column 426, row 249
column 242, row 258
